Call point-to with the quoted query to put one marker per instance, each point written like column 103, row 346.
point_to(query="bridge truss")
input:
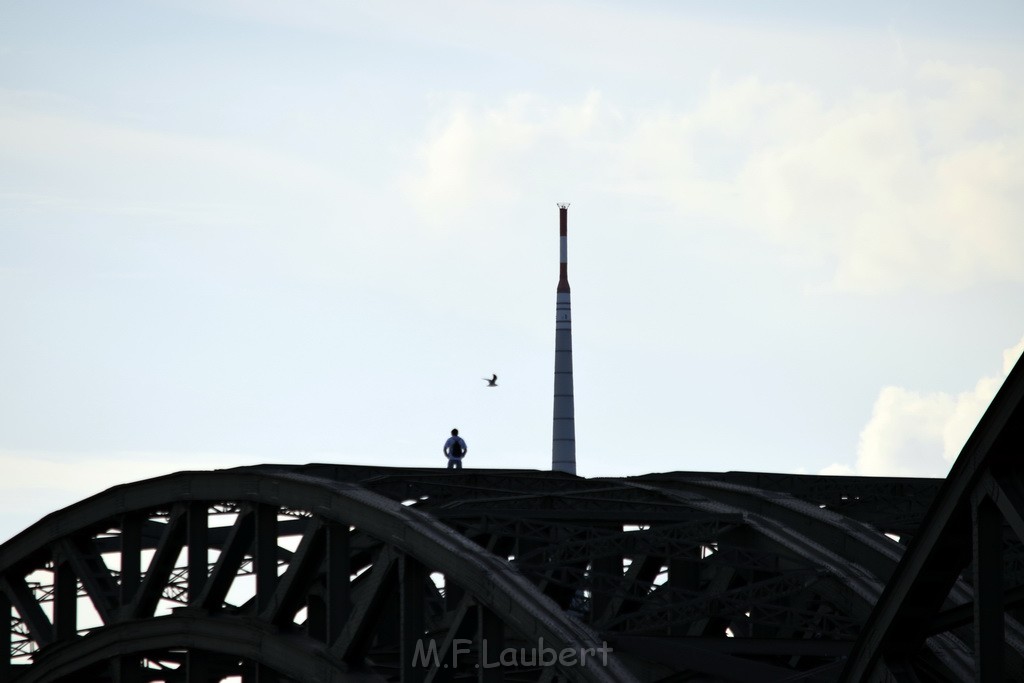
column 330, row 573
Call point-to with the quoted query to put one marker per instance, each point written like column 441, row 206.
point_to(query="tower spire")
column 563, row 438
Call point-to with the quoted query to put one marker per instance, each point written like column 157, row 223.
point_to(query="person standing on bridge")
column 455, row 450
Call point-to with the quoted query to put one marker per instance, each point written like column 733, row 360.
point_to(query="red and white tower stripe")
column 563, row 442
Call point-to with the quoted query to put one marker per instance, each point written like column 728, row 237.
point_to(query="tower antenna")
column 563, row 435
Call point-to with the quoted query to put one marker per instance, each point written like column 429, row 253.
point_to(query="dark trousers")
column 455, row 463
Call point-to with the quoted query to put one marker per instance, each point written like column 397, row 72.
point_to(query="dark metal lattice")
column 344, row 573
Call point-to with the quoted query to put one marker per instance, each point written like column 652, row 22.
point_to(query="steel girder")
column 352, row 596
column 684, row 577
column 972, row 535
column 339, row 573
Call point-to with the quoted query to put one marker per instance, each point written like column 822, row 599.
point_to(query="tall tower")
column 563, row 437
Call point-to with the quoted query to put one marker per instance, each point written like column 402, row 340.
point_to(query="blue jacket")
column 450, row 441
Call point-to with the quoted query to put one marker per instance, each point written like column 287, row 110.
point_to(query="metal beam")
column 942, row 548
column 989, row 620
column 790, row 568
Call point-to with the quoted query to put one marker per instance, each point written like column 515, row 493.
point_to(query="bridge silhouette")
column 333, row 573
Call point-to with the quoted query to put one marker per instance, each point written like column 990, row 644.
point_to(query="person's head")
column 455, row 432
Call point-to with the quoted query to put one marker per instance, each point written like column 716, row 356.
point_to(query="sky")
column 238, row 232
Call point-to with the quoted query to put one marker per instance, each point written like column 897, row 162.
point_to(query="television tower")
column 563, row 438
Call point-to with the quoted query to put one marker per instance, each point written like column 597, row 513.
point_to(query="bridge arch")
column 362, row 579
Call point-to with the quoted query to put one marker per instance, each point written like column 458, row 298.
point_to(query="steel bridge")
column 345, row 574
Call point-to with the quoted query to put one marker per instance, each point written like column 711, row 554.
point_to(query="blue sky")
column 242, row 232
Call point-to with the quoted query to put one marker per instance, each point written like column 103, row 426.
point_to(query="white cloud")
column 905, row 435
column 917, row 187
column 920, row 434
column 838, row 470
column 921, row 187
column 498, row 154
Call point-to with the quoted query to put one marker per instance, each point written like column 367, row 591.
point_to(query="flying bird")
column 492, row 382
